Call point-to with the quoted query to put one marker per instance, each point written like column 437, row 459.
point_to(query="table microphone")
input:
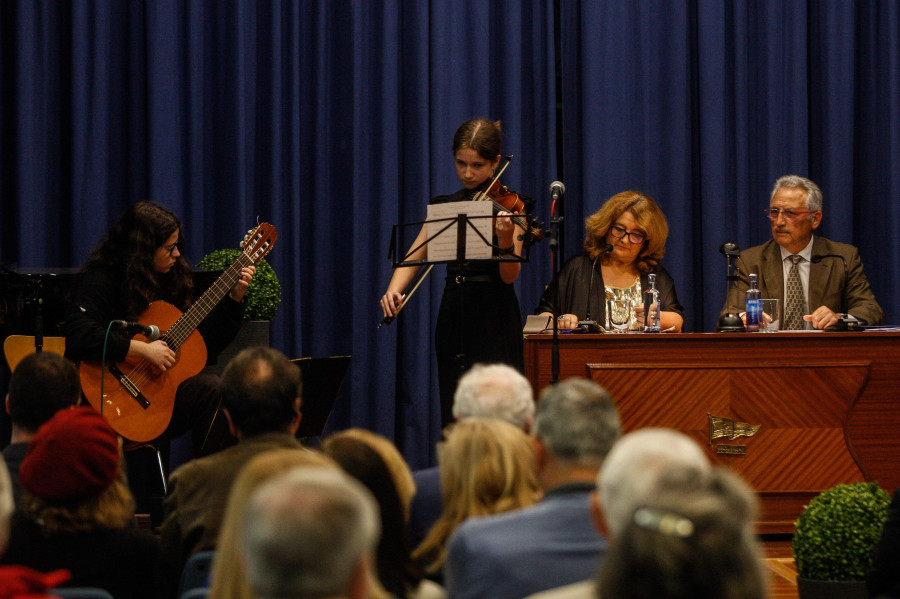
column 587, row 325
column 730, row 322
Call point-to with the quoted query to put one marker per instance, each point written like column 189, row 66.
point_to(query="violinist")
column 479, row 318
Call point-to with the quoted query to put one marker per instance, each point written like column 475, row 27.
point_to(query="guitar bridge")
column 129, row 386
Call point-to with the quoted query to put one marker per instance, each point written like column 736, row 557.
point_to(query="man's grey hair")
column 494, row 391
column 813, row 193
column 305, row 531
column 634, row 466
column 577, row 421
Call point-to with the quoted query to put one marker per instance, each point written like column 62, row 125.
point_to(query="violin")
column 504, row 199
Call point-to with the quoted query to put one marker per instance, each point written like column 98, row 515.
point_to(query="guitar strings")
column 178, row 333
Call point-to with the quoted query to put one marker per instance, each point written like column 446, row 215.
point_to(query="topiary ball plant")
column 264, row 294
column 836, row 534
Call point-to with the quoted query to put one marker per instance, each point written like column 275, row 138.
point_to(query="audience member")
column 394, row 460
column 78, row 513
column 19, row 581
column 310, row 533
column 41, row 384
column 554, row 542
column 228, row 579
column 692, row 537
column 486, row 391
column 487, row 467
column 628, row 475
column 397, row 572
column 261, row 400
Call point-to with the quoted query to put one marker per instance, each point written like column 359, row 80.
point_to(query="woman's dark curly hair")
column 129, row 247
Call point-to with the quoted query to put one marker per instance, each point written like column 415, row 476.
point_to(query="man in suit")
column 628, row 478
column 825, row 276
column 485, row 391
column 310, row 532
column 553, row 543
column 261, row 400
column 42, row 384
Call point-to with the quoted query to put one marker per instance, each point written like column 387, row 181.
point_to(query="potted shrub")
column 261, row 302
column 834, row 539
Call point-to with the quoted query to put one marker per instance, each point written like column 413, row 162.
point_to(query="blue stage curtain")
column 333, row 120
column 704, row 104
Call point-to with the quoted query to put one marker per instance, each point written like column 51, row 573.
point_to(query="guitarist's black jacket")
column 98, row 299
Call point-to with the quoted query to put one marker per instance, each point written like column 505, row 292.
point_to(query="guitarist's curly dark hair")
column 129, row 247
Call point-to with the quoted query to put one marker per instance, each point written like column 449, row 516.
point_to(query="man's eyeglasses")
column 791, row 215
column 620, row 232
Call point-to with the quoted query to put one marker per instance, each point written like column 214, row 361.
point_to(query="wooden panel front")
column 827, row 404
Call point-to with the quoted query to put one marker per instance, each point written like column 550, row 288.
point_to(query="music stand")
column 464, row 224
column 463, row 245
column 322, row 380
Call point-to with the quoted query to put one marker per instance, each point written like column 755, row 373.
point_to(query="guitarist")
column 140, row 261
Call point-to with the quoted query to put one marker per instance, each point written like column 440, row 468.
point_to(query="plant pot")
column 831, row 589
column 251, row 334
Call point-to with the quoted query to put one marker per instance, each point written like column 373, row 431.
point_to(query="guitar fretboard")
column 201, row 308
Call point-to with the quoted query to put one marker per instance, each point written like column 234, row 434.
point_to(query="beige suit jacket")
column 829, row 284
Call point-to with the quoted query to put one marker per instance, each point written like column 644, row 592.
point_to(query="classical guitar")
column 138, row 398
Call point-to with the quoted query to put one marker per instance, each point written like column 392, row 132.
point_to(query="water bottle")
column 651, row 299
column 754, row 304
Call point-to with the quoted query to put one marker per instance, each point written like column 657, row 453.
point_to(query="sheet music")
column 443, row 247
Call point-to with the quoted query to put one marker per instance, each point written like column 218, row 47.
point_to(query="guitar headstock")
column 259, row 241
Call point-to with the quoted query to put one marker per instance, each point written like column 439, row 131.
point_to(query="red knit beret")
column 72, row 456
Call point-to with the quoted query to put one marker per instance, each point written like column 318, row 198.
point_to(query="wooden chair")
column 16, row 347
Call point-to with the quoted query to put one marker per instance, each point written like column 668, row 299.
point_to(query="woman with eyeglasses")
column 626, row 239
column 139, row 261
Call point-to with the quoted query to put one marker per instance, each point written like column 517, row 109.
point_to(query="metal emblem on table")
column 721, row 427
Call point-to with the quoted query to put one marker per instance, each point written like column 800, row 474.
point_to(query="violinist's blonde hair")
column 487, row 467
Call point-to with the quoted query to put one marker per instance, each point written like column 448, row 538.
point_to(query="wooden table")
column 827, row 405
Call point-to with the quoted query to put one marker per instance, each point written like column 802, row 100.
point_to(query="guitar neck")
column 201, row 308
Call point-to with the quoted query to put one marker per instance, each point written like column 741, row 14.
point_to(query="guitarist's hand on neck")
column 157, row 353
column 240, row 288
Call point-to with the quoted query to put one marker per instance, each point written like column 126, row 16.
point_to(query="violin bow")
column 483, row 193
column 406, row 296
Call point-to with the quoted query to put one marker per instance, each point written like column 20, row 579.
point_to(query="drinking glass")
column 619, row 314
column 770, row 319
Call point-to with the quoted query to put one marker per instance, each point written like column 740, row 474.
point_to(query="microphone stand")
column 556, row 222
column 730, row 322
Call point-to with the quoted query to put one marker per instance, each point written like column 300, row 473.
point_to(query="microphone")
column 729, row 322
column 819, row 257
column 587, row 324
column 729, row 248
column 151, row 332
column 557, row 190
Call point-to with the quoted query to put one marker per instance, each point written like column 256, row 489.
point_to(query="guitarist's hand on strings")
column 240, row 288
column 156, row 352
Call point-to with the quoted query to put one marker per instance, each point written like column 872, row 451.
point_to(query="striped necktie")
column 795, row 303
